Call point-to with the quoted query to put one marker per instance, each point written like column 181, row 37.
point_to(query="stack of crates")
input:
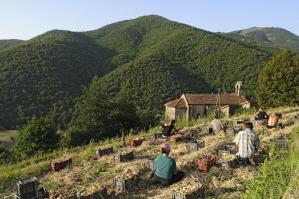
column 104, row 151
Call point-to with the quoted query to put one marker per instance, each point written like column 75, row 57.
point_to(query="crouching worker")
column 273, row 121
column 247, row 144
column 165, row 171
column 166, row 130
column 216, row 124
column 261, row 117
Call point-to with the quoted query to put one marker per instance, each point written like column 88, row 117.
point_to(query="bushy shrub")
column 39, row 135
column 76, row 137
column 96, row 112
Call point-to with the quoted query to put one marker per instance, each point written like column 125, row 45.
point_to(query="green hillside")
column 171, row 58
column 268, row 37
column 8, row 42
column 46, row 70
column 149, row 60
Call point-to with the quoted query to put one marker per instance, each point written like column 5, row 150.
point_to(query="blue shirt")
column 165, row 167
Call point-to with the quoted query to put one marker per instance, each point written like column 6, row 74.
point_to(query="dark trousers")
column 243, row 161
column 279, row 125
column 167, row 182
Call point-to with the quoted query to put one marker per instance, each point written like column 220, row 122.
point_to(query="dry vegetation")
column 89, row 173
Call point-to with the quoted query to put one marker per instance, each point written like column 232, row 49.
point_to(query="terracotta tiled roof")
column 177, row 103
column 210, row 99
column 207, row 99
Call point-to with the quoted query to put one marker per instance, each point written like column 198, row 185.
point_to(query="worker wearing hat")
column 165, row 171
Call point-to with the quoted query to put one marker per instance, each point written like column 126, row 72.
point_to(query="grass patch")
column 6, row 137
column 273, row 178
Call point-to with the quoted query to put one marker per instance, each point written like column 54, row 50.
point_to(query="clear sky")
column 24, row 19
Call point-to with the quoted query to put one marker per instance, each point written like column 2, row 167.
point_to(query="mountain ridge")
column 137, row 58
column 267, row 36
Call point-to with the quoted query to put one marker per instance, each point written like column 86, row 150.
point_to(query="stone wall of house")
column 246, row 105
column 196, row 111
column 211, row 109
column 180, row 113
column 225, row 110
column 169, row 113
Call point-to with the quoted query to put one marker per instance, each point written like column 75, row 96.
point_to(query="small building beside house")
column 192, row 106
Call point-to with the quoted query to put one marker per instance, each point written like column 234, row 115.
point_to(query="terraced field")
column 89, row 173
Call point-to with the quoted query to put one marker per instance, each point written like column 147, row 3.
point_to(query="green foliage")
column 76, row 137
column 47, row 70
column 149, row 60
column 241, row 111
column 39, row 135
column 61, row 113
column 97, row 113
column 279, row 81
column 267, row 37
column 274, row 176
column 8, row 43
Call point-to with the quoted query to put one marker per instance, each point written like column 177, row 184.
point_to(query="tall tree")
column 98, row 113
column 279, row 81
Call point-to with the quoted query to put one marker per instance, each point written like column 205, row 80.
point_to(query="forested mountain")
column 45, row 70
column 148, row 60
column 8, row 42
column 268, row 37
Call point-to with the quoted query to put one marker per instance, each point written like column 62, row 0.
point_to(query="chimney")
column 238, row 87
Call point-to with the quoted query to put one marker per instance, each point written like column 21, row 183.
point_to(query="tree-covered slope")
column 149, row 60
column 45, row 70
column 269, row 37
column 172, row 58
column 8, row 43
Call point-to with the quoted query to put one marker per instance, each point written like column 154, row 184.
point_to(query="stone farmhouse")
column 192, row 106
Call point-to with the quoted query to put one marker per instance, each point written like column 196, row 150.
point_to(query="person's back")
column 216, row 125
column 247, row 142
column 273, row 120
column 261, row 115
column 165, row 167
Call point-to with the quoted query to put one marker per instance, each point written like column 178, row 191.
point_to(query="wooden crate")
column 197, row 194
column 123, row 157
column 104, row 151
column 226, row 164
column 226, row 149
column 205, row 163
column 59, row 164
column 100, row 194
column 281, row 144
column 27, row 188
column 238, row 127
column 135, row 142
column 122, row 185
column 195, row 145
column 223, row 152
column 230, row 131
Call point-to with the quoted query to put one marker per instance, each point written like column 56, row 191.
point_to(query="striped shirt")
column 247, row 142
